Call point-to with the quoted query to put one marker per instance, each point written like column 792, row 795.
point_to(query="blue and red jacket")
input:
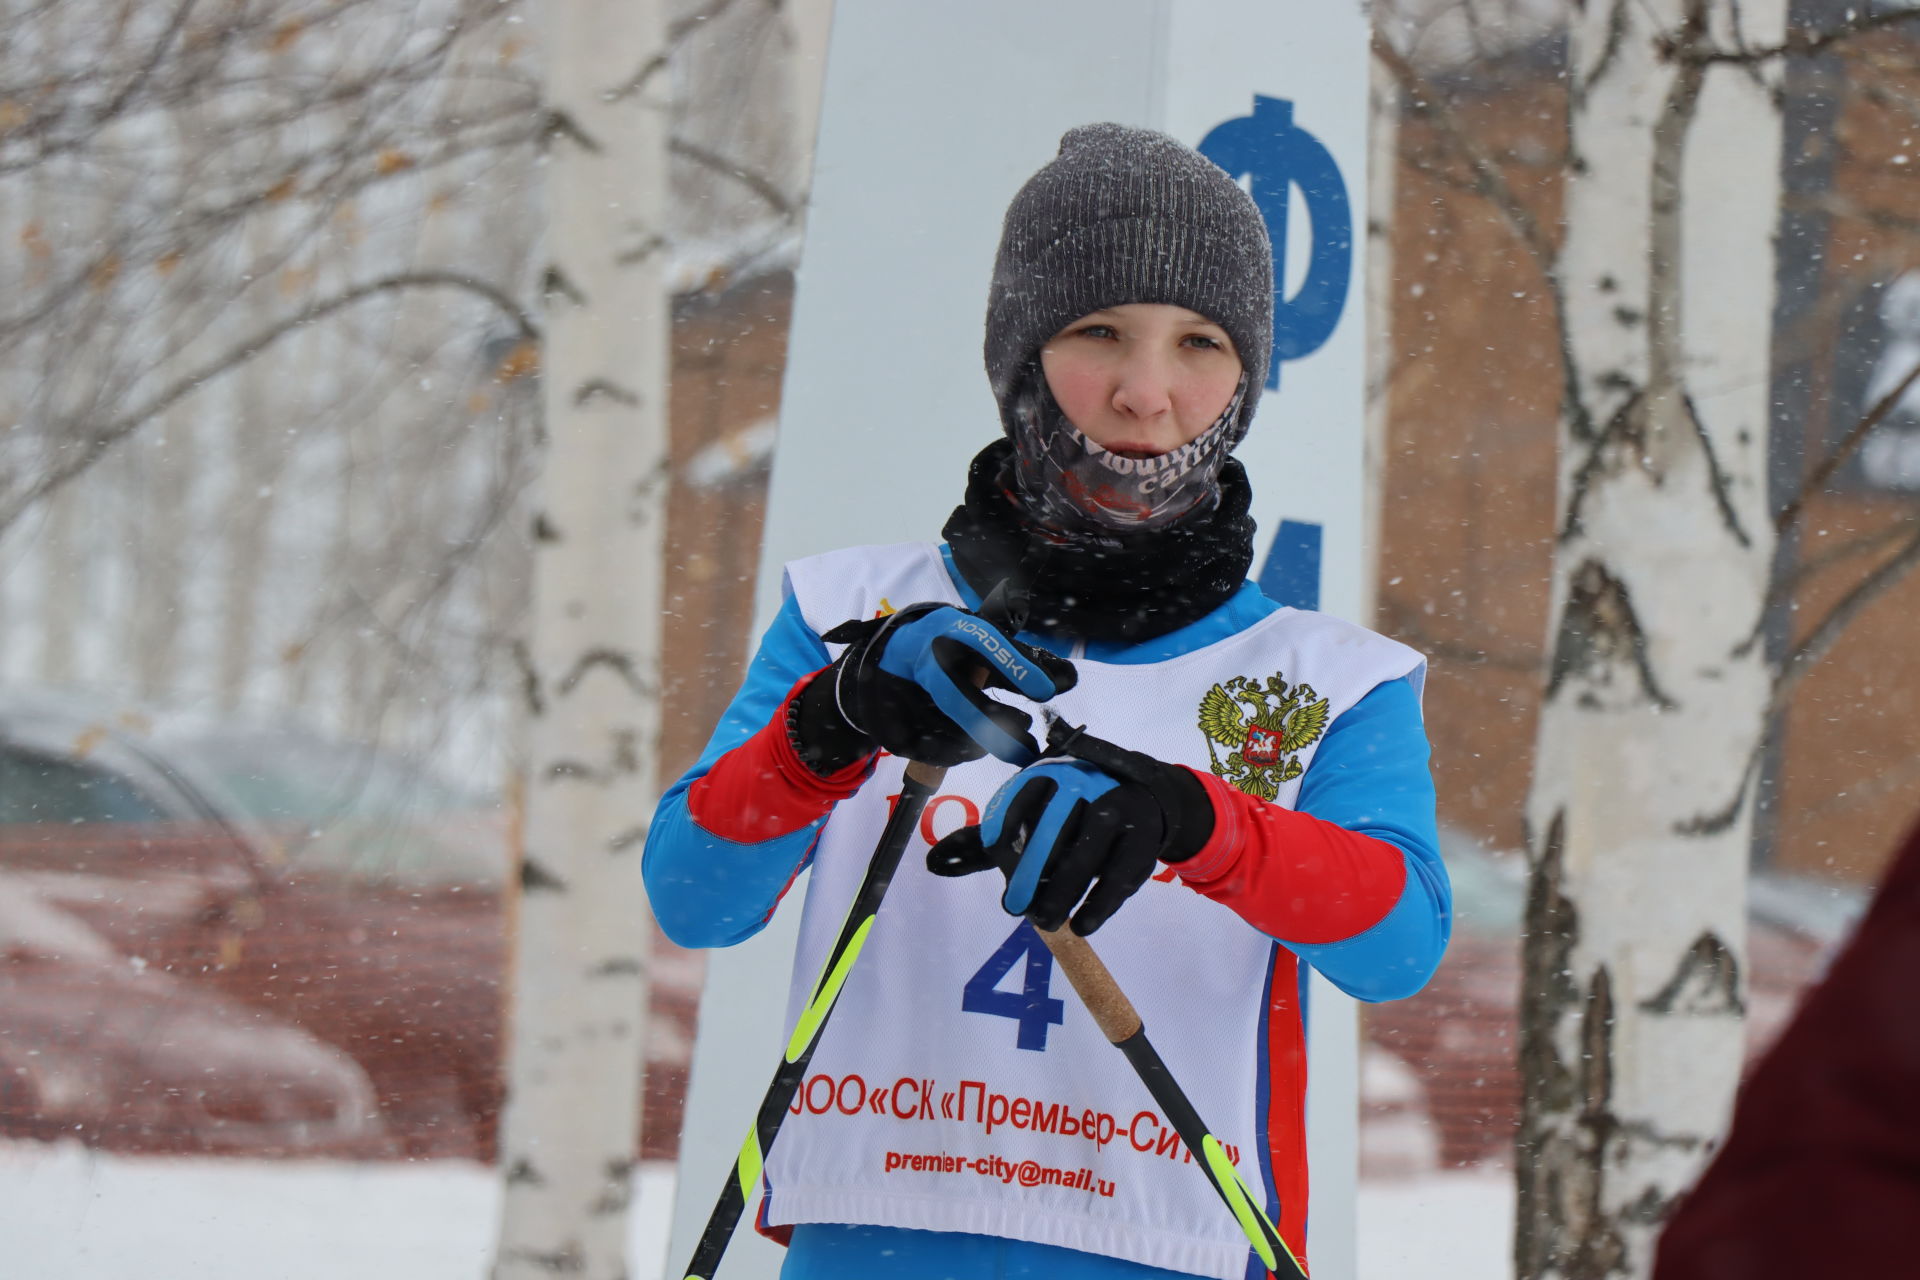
column 1349, row 881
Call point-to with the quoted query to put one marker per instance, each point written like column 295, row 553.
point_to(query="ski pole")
column 1122, row 1026
column 921, row 782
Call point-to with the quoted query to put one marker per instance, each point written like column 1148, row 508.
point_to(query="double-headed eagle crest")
column 1263, row 742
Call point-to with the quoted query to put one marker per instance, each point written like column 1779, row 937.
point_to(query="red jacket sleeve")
column 761, row 790
column 1291, row 875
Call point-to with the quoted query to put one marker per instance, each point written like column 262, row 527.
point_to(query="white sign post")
column 933, row 116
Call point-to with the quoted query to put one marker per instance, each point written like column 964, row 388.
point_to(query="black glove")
column 912, row 683
column 1092, row 828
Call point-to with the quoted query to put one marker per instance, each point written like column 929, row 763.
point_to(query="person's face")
column 1141, row 379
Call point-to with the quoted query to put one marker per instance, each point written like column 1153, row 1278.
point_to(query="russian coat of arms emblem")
column 1263, row 728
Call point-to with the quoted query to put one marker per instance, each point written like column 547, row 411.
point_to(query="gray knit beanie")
column 1128, row 215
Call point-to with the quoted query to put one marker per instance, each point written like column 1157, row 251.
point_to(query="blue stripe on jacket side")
column 1398, row 954
column 708, row 891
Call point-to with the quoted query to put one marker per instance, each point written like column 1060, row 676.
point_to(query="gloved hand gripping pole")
column 921, row 783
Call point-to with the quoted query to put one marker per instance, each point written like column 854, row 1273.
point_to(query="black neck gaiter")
column 1099, row 584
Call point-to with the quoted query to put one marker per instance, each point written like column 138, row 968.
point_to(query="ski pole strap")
column 1005, row 607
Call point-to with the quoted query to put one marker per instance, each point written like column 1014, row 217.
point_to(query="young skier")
column 962, row 1116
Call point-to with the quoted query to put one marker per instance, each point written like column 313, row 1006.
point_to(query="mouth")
column 1128, row 449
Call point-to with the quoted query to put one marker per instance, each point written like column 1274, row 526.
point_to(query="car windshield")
column 35, row 788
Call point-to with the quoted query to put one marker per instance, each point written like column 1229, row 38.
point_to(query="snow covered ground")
column 1441, row 1226
column 66, row 1212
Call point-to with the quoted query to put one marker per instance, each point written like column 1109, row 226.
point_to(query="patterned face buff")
column 1067, row 481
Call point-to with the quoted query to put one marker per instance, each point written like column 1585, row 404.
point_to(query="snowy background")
column 68, row 1211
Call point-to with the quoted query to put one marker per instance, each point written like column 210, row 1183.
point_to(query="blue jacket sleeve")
column 1371, row 776
column 708, row 891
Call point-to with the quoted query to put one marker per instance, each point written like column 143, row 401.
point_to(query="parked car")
column 325, row 889
column 1458, row 1037
column 184, row 1069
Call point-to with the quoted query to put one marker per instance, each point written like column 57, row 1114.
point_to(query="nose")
column 1143, row 385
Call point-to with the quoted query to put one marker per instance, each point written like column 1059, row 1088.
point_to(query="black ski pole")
column 920, row 784
column 1121, row 1024
column 1123, row 1027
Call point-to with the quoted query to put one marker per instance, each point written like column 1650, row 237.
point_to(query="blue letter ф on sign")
column 1279, row 155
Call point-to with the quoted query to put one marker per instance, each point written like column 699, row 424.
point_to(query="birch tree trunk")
column 572, row 1120
column 1383, row 162
column 1640, row 815
column 809, row 22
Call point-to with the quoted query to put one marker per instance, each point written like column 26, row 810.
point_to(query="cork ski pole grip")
column 1108, row 1004
column 1115, row 1016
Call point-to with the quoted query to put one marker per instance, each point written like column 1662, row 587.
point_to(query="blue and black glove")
column 1075, row 833
column 913, row 683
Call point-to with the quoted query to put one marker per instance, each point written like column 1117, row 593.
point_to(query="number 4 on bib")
column 1031, row 1007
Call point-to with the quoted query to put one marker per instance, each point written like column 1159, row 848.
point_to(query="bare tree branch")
column 767, row 191
column 1847, row 447
column 1813, row 566
column 1489, row 182
column 1801, row 42
column 1666, row 257
column 1407, row 623
column 1839, row 206
column 677, row 32
column 1794, row 667
column 1824, row 633
column 95, row 444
